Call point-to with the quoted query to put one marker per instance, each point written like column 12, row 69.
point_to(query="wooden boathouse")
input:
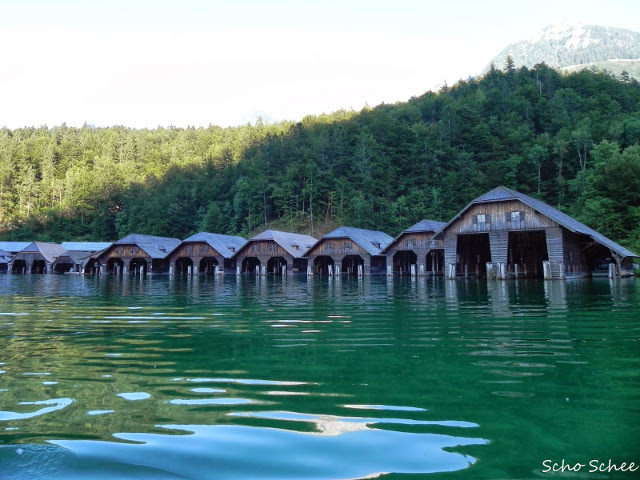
column 206, row 253
column 137, row 254
column 76, row 255
column 505, row 233
column 416, row 252
column 36, row 257
column 349, row 251
column 274, row 252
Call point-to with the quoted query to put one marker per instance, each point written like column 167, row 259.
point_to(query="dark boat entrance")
column 184, row 266
column 473, row 253
column 275, row 266
column 323, row 265
column 350, row 264
column 526, row 252
column 19, row 266
column 114, row 265
column 435, row 262
column 208, row 265
column 138, row 266
column 402, row 262
column 251, row 265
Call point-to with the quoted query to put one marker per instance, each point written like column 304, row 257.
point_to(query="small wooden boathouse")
column 206, row 253
column 137, row 254
column 274, row 252
column 36, row 257
column 76, row 255
column 416, row 252
column 349, row 251
column 505, row 233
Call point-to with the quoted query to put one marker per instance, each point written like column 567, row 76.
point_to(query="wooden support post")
column 413, row 270
column 546, row 270
column 612, row 270
column 489, row 267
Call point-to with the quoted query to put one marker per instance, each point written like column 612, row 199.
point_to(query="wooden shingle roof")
column 155, row 247
column 371, row 241
column 50, row 251
column 295, row 244
column 225, row 245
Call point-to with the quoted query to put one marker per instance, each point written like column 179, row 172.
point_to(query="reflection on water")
column 317, row 378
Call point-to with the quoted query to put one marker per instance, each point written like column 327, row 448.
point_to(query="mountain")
column 575, row 46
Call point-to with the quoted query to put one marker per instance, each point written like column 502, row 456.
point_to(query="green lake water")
column 297, row 378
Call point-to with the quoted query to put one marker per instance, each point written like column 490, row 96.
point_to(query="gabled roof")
column 295, row 244
column 426, row 226
column 365, row 239
column 74, row 256
column 225, row 245
column 5, row 256
column 422, row 226
column 50, row 251
column 501, row 194
column 86, row 246
column 13, row 247
column 155, row 247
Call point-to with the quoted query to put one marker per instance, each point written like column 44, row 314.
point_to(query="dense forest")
column 572, row 140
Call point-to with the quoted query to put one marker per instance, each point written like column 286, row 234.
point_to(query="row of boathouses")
column 500, row 234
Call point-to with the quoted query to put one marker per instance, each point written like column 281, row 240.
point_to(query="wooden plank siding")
column 263, row 251
column 499, row 244
column 196, row 252
column 337, row 249
column 555, row 250
column 498, row 218
column 501, row 218
column 421, row 244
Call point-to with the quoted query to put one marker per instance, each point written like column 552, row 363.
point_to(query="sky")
column 151, row 63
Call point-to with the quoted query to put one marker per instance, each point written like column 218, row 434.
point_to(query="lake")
column 318, row 378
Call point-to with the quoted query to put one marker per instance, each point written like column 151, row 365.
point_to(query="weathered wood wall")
column 498, row 218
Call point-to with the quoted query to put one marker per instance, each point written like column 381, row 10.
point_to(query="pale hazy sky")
column 149, row 63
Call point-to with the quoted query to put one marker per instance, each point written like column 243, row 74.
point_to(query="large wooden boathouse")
column 138, row 254
column 349, row 251
column 504, row 233
column 274, row 252
column 206, row 253
column 416, row 252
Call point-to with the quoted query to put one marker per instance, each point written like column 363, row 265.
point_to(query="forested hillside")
column 571, row 140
